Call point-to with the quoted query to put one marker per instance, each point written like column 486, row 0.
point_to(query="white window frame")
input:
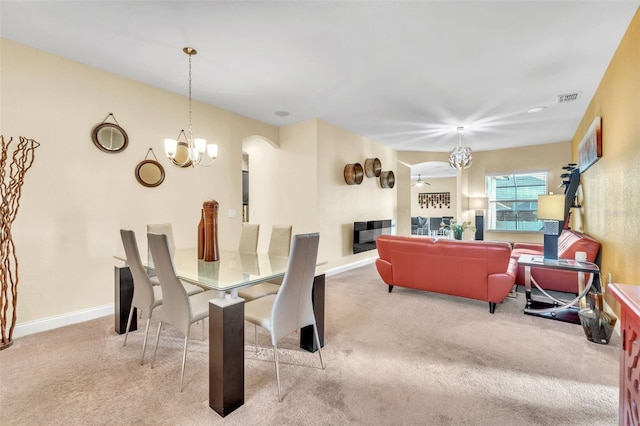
column 498, row 206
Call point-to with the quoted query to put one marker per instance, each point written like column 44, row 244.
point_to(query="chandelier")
column 185, row 151
column 460, row 156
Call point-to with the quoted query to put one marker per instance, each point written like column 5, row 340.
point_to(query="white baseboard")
column 50, row 323
column 347, row 267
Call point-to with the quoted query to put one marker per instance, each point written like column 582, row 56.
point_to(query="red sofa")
column 472, row 269
column 569, row 242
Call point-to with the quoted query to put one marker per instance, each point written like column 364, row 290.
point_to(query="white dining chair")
column 249, row 237
column 179, row 309
column 279, row 245
column 160, row 228
column 291, row 308
column 146, row 296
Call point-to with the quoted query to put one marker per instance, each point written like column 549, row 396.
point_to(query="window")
column 513, row 201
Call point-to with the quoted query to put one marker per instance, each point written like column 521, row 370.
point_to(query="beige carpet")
column 409, row 357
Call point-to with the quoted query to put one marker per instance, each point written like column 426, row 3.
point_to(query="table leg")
column 307, row 340
column 583, row 301
column 123, row 285
column 226, row 354
column 527, row 284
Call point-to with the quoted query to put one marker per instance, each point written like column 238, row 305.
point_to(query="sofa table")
column 557, row 309
column 629, row 298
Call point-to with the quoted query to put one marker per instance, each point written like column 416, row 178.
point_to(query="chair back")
column 176, row 309
column 280, row 242
column 143, row 297
column 292, row 308
column 162, row 228
column 249, row 237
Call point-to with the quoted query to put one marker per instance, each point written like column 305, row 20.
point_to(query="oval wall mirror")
column 109, row 137
column 149, row 173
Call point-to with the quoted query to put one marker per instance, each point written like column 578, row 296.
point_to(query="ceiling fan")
column 420, row 182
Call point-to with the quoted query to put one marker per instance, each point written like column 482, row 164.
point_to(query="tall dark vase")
column 211, row 252
column 597, row 324
column 457, row 234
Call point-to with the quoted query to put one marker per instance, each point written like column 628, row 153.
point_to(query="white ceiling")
column 402, row 73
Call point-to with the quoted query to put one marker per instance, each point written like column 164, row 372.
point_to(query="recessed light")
column 282, row 113
column 537, row 109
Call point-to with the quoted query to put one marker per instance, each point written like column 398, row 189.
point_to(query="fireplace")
column 365, row 234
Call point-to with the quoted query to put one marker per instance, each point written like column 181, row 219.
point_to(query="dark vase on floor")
column 597, row 324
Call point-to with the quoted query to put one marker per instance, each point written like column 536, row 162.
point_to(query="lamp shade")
column 478, row 203
column 551, row 207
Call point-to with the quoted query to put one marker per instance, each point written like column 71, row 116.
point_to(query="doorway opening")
column 245, row 187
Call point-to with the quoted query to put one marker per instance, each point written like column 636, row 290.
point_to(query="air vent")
column 568, row 97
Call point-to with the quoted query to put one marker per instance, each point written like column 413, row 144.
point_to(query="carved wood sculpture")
column 13, row 167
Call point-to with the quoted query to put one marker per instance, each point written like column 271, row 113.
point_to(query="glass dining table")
column 233, row 271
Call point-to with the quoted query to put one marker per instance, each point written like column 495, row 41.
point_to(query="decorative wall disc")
column 353, row 174
column 387, row 179
column 372, row 167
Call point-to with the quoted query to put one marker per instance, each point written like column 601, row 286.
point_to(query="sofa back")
column 444, row 266
column 569, row 242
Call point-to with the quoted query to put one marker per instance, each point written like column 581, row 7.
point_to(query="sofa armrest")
column 385, row 270
column 529, row 246
column 499, row 286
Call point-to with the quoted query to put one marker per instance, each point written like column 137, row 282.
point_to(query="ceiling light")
column 190, row 151
column 282, row 113
column 460, row 156
column 537, row 109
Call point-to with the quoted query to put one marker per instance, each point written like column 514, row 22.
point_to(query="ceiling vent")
column 568, row 97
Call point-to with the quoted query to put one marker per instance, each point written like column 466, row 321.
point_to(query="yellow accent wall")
column 611, row 187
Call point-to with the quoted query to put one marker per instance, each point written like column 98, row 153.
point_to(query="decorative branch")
column 11, row 181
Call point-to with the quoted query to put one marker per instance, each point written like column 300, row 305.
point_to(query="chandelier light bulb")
column 170, row 148
column 212, row 150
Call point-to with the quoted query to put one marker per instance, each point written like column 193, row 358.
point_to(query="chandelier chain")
column 190, row 128
column 194, row 150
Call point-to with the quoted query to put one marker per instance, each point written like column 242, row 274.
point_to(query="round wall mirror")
column 109, row 137
column 149, row 173
column 182, row 155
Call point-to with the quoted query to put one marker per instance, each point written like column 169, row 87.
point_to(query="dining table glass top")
column 233, row 270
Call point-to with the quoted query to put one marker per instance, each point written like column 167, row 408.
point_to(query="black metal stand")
column 569, row 315
column 479, row 227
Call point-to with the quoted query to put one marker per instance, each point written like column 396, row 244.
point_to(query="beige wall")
column 339, row 204
column 548, row 157
column 437, row 185
column 611, row 205
column 283, row 182
column 76, row 197
column 471, row 182
column 301, row 183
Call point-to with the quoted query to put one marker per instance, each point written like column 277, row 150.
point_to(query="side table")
column 555, row 308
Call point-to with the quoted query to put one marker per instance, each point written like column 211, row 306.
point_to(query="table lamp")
column 551, row 210
column 479, row 204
